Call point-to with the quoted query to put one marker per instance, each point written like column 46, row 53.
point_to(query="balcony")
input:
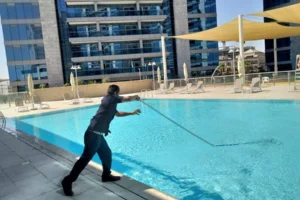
column 115, row 52
column 116, row 13
column 115, row 33
column 93, row 72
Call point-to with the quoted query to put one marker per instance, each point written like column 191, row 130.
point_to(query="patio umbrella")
column 186, row 74
column 30, row 85
column 30, row 88
column 73, row 83
column 158, row 75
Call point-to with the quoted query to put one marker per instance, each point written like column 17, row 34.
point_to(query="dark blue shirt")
column 105, row 114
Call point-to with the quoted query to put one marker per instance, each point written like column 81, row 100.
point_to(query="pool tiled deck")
column 32, row 169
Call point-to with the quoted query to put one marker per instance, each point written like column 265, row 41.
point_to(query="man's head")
column 113, row 90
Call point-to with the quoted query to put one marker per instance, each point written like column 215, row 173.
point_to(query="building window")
column 20, row 72
column 25, row 52
column 204, row 59
column 283, row 42
column 131, row 64
column 284, row 55
column 157, row 60
column 201, row 24
column 273, row 3
column 152, row 27
column 22, row 32
column 198, row 44
column 201, row 6
column 19, row 10
column 150, row 46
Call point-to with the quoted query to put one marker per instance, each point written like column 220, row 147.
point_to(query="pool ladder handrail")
column 146, row 93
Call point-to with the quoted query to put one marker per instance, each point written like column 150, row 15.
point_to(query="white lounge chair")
column 37, row 100
column 161, row 89
column 264, row 80
column 68, row 98
column 20, row 107
column 238, row 86
column 255, row 86
column 186, row 90
column 169, row 90
column 199, row 88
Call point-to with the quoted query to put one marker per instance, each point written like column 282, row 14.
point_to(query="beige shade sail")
column 251, row 31
column 289, row 14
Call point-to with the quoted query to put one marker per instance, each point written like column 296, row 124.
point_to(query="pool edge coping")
column 67, row 158
column 203, row 99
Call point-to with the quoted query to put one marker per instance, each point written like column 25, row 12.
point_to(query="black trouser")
column 93, row 143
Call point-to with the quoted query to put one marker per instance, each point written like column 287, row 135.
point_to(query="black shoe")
column 67, row 187
column 110, row 178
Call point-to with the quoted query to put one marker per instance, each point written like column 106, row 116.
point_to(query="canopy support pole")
column 275, row 58
column 163, row 49
column 241, row 40
column 233, row 64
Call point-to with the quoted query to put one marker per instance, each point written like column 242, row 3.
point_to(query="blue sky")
column 3, row 67
column 227, row 10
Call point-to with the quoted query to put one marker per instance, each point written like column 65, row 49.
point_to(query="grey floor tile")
column 122, row 192
column 4, row 149
column 17, row 145
column 27, row 152
column 2, row 172
column 53, row 170
column 35, row 186
column 83, row 184
column 53, row 195
column 10, row 159
column 14, row 196
column 4, row 136
column 20, row 172
column 97, row 193
column 8, row 190
column 5, row 181
column 39, row 160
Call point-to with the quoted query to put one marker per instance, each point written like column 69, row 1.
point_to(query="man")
column 94, row 141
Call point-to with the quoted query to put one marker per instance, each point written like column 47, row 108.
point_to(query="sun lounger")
column 37, row 100
column 20, row 107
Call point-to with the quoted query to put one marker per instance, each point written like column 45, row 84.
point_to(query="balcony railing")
column 115, row 33
column 283, row 77
column 115, row 13
column 115, row 52
column 120, row 70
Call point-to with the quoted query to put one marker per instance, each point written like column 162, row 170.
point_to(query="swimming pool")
column 154, row 151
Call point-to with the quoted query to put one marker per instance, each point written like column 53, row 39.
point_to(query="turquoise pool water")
column 154, row 151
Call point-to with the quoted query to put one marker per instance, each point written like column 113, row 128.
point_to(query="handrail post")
column 289, row 78
column 273, row 79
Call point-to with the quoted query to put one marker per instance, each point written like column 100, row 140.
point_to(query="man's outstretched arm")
column 125, row 114
column 130, row 98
